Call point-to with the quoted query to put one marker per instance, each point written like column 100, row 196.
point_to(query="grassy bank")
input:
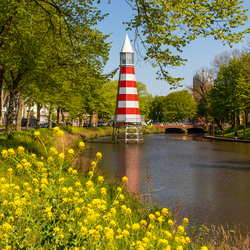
column 96, row 132
column 229, row 132
column 46, row 203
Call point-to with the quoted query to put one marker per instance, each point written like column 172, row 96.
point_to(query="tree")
column 179, row 105
column 165, row 27
column 156, row 110
column 37, row 35
column 231, row 92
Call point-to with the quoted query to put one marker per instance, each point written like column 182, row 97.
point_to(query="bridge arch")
column 196, row 130
column 174, row 130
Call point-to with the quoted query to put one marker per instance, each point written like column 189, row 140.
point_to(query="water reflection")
column 213, row 178
column 132, row 163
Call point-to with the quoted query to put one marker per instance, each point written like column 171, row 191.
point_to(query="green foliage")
column 231, row 92
column 175, row 106
column 166, row 27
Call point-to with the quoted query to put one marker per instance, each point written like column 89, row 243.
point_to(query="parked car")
column 86, row 124
column 44, row 125
column 102, row 123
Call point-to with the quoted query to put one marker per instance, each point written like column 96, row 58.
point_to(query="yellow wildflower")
column 27, row 230
column 103, row 191
column 100, row 179
column 204, row 248
column 6, row 227
column 10, row 171
column 11, row 152
column 170, row 222
column 33, row 156
column 56, row 229
column 20, row 149
column 81, row 145
column 60, row 133
column 4, row 153
column 136, row 226
column 99, row 155
column 124, row 179
column 71, row 152
column 61, row 156
column 151, row 216
column 56, row 129
column 185, row 220
column 121, row 197
column 37, row 133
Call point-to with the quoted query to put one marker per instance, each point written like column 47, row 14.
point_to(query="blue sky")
column 199, row 53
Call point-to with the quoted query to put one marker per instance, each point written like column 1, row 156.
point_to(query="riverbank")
column 229, row 133
column 67, row 209
column 87, row 133
column 139, row 212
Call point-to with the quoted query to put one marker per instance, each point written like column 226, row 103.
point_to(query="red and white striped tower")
column 127, row 105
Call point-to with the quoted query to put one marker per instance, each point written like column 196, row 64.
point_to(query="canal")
column 211, row 177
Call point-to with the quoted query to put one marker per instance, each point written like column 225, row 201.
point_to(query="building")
column 202, row 82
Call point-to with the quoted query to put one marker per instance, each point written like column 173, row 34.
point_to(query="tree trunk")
column 50, row 119
column 90, row 119
column 19, row 113
column 28, row 117
column 38, row 114
column 10, row 114
column 1, row 88
column 58, row 116
column 63, row 118
column 25, row 111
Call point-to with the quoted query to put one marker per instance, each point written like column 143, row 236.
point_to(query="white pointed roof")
column 127, row 46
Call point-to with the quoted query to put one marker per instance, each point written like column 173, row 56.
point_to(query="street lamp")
column 183, row 114
column 157, row 113
column 165, row 112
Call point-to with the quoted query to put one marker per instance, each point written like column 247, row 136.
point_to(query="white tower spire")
column 127, row 48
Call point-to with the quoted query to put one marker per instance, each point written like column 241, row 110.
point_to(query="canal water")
column 211, row 177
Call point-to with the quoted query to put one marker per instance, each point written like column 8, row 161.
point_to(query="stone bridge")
column 183, row 128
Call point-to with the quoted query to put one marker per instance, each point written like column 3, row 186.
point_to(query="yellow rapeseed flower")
column 99, row 155
column 204, row 248
column 10, row 171
column 151, row 216
column 136, row 226
column 81, row 145
column 20, row 149
column 6, row 227
column 33, row 156
column 164, row 211
column 37, row 133
column 185, row 220
column 124, row 179
column 56, row 229
column 121, row 197
column 179, row 248
column 71, row 152
column 50, row 159
column 103, row 191
column 4, row 153
column 11, row 152
column 56, row 129
column 27, row 230
column 170, row 222
column 61, row 156
column 61, row 180
column 60, row 133
column 101, row 179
